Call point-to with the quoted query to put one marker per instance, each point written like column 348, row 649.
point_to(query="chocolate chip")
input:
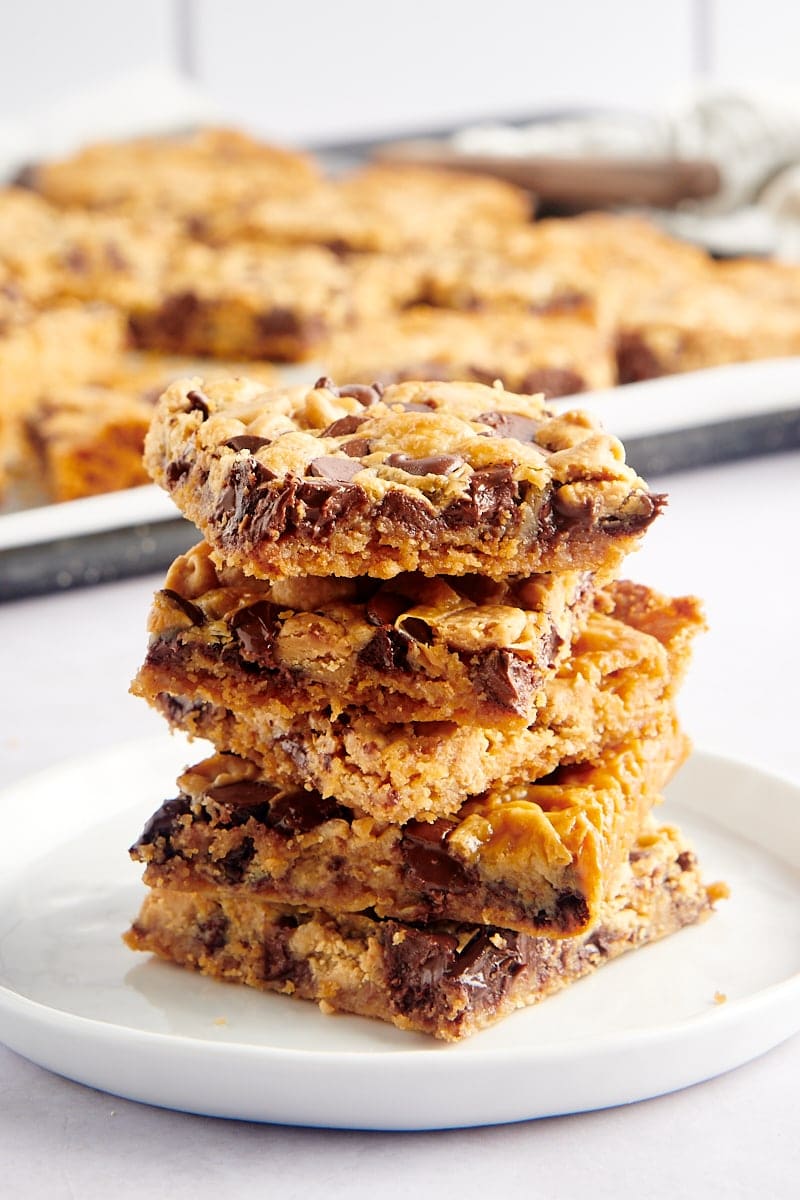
column 344, row 426
column 247, row 441
column 171, row 324
column 279, row 321
column 357, row 448
column 504, row 679
column 325, row 503
column 195, row 614
column 165, row 821
column 413, row 515
column 686, row 860
column 213, row 932
column 241, row 802
column 235, row 863
column 336, row 468
column 386, row 651
column 427, row 860
column 572, row 912
column 243, row 793
column 386, row 606
column 435, row 464
column 176, row 471
column 301, row 811
column 492, row 493
column 553, row 382
column 277, row 962
column 419, row 406
column 636, row 514
column 242, row 492
column 487, row 967
column 511, row 425
column 364, row 393
column 635, row 359
column 419, row 630
column 416, row 961
column 255, row 629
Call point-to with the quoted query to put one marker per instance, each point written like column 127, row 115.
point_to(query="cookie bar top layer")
column 539, row 857
column 620, row 679
column 461, row 648
column 441, row 478
column 446, row 979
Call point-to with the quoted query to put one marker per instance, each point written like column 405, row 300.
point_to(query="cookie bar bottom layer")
column 444, row 979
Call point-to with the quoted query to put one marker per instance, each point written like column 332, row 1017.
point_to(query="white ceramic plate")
column 75, row 1000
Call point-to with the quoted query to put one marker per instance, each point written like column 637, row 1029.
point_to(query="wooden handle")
column 574, row 182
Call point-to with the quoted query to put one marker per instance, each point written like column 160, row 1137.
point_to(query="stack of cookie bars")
column 441, row 721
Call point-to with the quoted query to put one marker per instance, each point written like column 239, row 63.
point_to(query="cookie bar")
column 538, row 858
column 461, row 648
column 620, row 679
column 441, row 478
column 740, row 312
column 62, row 346
column 447, row 979
column 557, row 354
column 191, row 177
column 615, row 261
column 253, row 302
column 57, row 256
column 88, row 439
column 384, row 210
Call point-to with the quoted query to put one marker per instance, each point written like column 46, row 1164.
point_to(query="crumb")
column 326, row 1008
column 718, row 891
column 220, row 1020
column 720, row 997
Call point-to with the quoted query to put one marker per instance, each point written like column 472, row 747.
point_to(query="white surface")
column 370, row 68
column 74, row 999
column 730, row 535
